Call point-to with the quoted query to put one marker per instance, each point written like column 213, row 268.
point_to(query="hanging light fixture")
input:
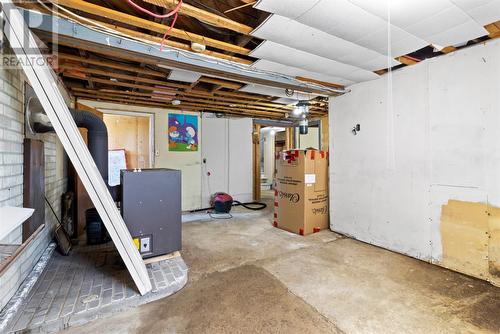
column 301, row 108
column 304, row 125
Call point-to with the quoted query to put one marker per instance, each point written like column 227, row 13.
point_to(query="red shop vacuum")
column 222, row 203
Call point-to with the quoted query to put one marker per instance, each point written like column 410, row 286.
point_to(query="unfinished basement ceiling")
column 283, row 96
column 333, row 43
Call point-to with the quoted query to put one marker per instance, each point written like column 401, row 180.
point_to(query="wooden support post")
column 289, row 138
column 325, row 133
column 256, row 162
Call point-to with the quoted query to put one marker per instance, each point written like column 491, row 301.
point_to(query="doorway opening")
column 130, row 141
column 270, row 137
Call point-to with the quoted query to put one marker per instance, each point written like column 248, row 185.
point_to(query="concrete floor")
column 247, row 276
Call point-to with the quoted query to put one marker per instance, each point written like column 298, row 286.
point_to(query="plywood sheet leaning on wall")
column 44, row 84
column 494, row 244
column 464, row 234
column 470, row 235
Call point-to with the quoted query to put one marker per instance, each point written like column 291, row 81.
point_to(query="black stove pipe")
column 97, row 141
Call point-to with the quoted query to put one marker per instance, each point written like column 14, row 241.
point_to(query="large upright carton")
column 301, row 194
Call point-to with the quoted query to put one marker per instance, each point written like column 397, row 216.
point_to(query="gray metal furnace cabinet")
column 151, row 209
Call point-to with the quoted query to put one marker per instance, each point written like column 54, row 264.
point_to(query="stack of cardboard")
column 301, row 194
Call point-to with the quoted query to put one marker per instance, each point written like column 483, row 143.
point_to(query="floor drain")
column 90, row 299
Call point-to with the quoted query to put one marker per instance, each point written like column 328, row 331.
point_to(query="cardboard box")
column 301, row 194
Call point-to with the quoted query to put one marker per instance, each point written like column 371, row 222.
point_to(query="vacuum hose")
column 255, row 206
column 251, row 205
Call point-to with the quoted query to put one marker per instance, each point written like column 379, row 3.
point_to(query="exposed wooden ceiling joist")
column 121, row 83
column 493, row 29
column 185, row 98
column 185, row 106
column 116, row 75
column 168, row 42
column 110, row 64
column 196, row 94
column 204, row 16
column 127, row 55
column 135, row 21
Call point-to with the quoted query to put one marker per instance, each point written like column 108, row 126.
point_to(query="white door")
column 214, row 157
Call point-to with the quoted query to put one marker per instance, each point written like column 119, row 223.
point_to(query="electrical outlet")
column 145, row 244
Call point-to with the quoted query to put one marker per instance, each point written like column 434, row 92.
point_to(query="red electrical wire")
column 174, row 12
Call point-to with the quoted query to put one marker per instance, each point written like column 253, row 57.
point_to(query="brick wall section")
column 11, row 178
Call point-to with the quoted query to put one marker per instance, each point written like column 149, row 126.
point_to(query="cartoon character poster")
column 182, row 132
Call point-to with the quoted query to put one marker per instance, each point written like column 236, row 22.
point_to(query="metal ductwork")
column 97, row 135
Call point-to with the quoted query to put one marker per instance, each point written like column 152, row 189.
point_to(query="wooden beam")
column 142, row 36
column 186, row 101
column 83, row 53
column 380, row 72
column 240, row 7
column 95, row 97
column 70, row 41
column 235, row 100
column 110, row 64
column 174, row 44
column 195, row 94
column 407, row 60
column 256, row 162
column 122, row 84
column 289, row 138
column 493, row 29
column 185, row 106
column 122, row 76
column 189, row 97
column 448, row 49
column 135, row 21
column 324, row 83
column 204, row 16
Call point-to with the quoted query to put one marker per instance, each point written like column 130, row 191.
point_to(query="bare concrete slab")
column 245, row 299
column 249, row 277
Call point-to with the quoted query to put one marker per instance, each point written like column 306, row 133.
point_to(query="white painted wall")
column 188, row 162
column 311, row 139
column 225, row 143
column 227, row 150
column 434, row 138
